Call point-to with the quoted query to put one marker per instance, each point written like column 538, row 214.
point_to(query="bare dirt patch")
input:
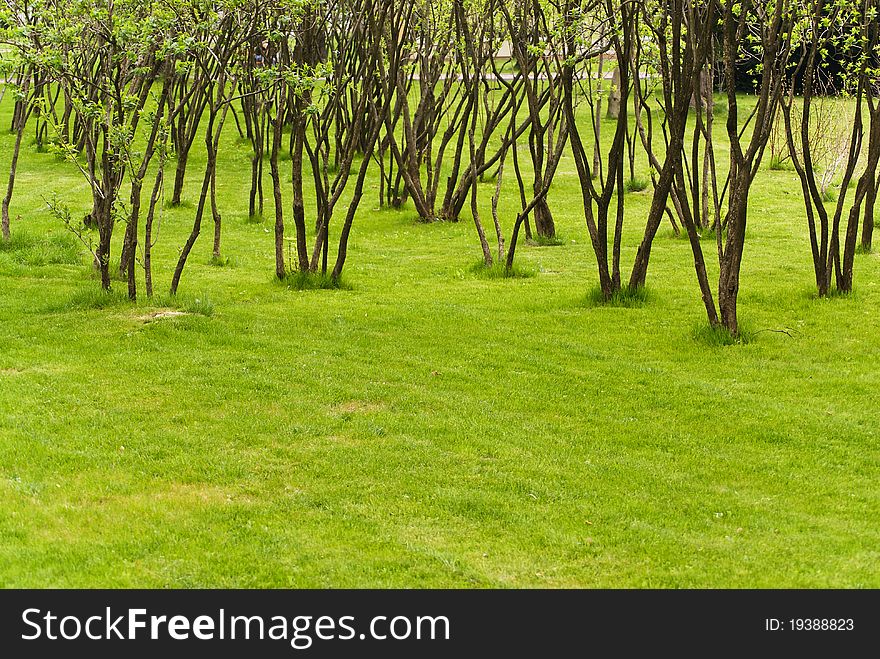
column 358, row 407
column 160, row 314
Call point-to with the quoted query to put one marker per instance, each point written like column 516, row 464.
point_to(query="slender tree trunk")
column 614, row 94
column 655, row 215
column 731, row 262
column 618, row 230
column 200, row 210
column 131, row 234
column 20, row 123
column 299, row 212
column 864, row 190
column 148, row 232
column 105, row 233
column 357, row 194
column 696, row 201
column 484, row 244
column 845, row 283
column 215, row 214
column 704, row 188
column 544, row 224
column 499, row 234
column 868, row 220
column 514, row 239
column 280, row 268
column 369, row 145
column 597, row 119
column 180, row 176
column 128, row 244
column 10, row 186
column 255, row 173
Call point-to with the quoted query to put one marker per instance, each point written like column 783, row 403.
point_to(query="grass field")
column 425, row 426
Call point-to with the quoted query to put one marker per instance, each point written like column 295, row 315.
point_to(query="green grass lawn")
column 425, row 426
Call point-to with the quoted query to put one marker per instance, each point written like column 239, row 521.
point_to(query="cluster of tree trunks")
column 419, row 91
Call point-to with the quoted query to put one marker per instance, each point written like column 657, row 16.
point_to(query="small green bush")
column 719, row 336
column 52, row 249
column 312, row 281
column 96, row 298
column 637, row 184
column 499, row 271
column 548, row 241
column 777, row 162
column 625, row 297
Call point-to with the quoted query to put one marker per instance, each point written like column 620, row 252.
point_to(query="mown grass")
column 425, row 428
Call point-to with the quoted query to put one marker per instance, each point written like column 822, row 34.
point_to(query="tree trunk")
column 215, row 214
column 614, row 95
column 136, row 188
column 484, row 244
column 704, row 89
column 299, row 212
column 148, row 233
column 104, row 220
column 731, row 263
column 544, row 225
column 7, row 200
column 256, row 165
column 179, row 176
column 514, row 238
column 655, row 215
column 280, row 268
column 868, row 221
column 618, row 230
column 20, row 124
column 499, row 235
column 342, row 252
column 597, row 127
column 128, row 245
column 200, row 210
